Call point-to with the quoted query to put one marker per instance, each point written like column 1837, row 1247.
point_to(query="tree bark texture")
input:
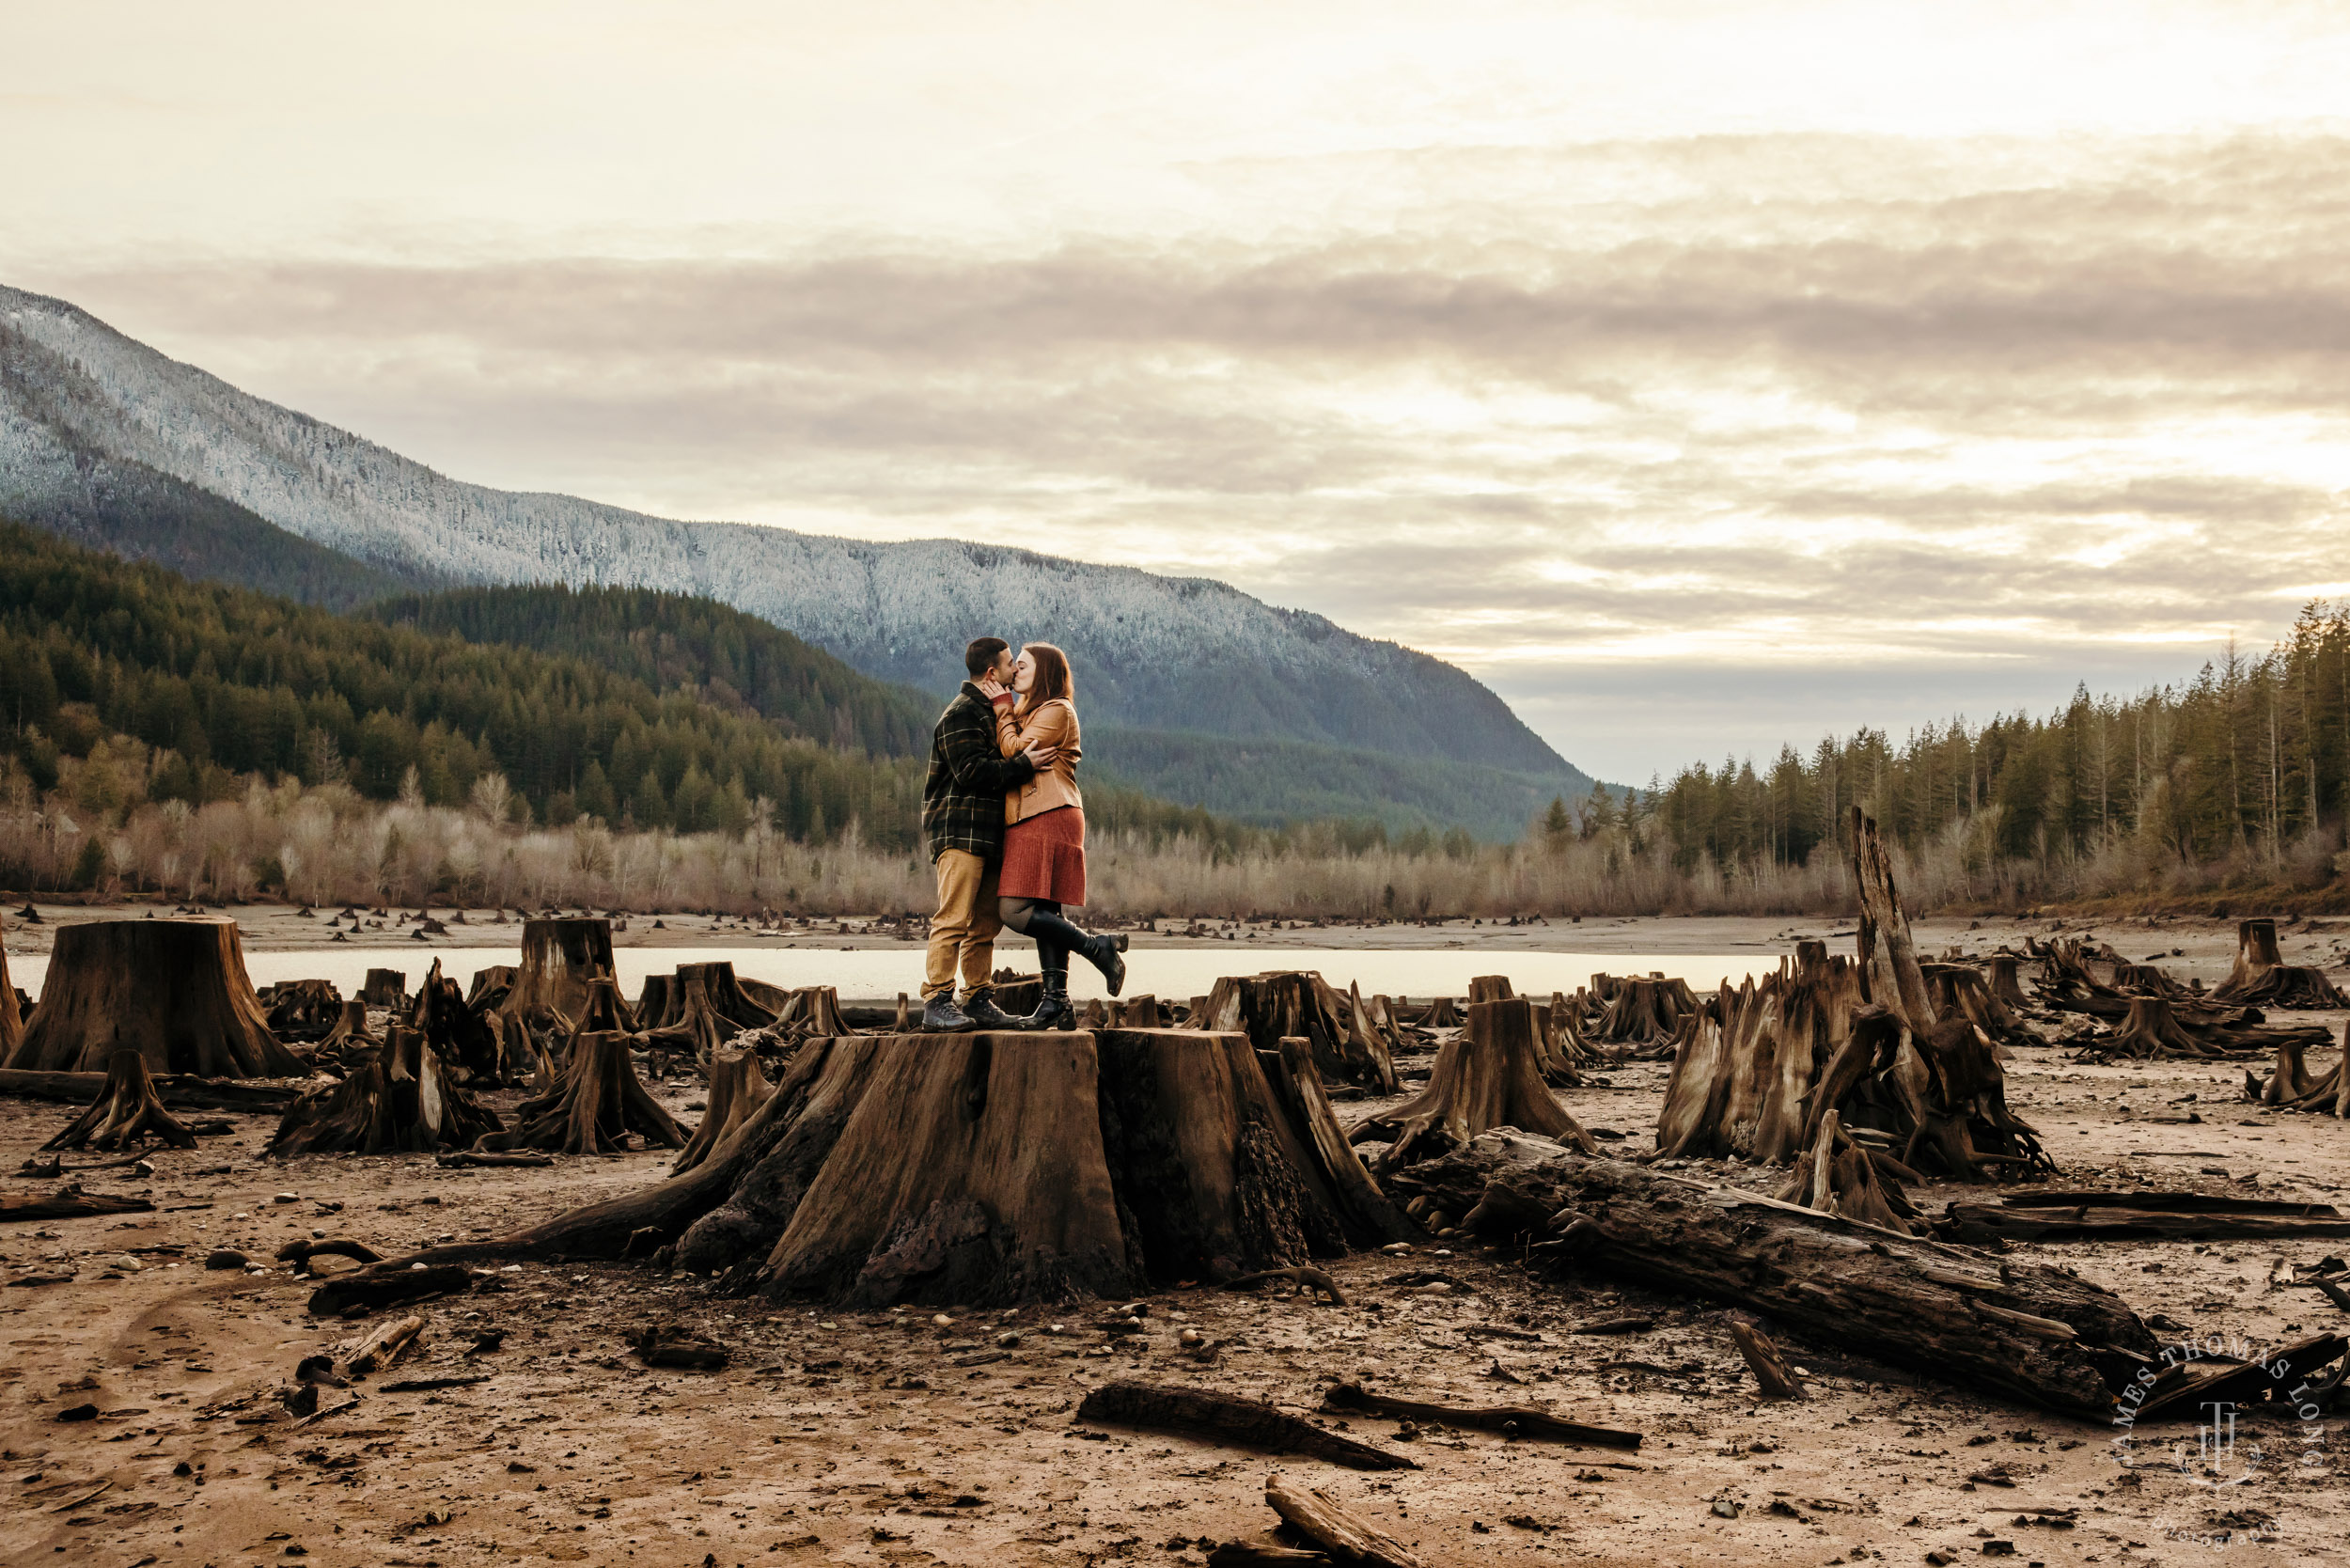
column 175, row 991
column 2289, row 1087
column 126, row 1112
column 1889, row 958
column 991, row 1168
column 2156, row 1028
column 737, row 1090
column 2030, row 1332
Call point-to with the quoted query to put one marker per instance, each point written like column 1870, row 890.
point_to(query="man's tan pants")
column 962, row 932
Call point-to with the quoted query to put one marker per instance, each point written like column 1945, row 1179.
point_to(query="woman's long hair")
column 1052, row 677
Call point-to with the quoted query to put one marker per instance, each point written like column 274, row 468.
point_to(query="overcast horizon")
column 1702, row 377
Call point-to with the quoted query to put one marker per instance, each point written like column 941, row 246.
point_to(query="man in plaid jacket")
column 963, row 817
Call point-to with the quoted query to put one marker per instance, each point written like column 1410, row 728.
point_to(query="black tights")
column 1015, row 912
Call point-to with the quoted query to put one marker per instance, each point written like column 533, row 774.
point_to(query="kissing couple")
column 1006, row 832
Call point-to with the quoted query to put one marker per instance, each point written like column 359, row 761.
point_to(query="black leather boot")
column 1053, row 1011
column 1100, row 951
column 982, row 1009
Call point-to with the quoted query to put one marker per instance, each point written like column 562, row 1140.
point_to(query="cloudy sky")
column 1701, row 375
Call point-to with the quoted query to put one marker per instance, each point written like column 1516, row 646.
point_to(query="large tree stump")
column 711, row 1008
column 2006, row 986
column 1891, row 976
column 2157, row 1028
column 1489, row 1076
column 2262, row 978
column 386, row 988
column 127, row 1111
column 401, row 1100
column 991, row 1168
column 737, row 1090
column 2028, row 1331
column 175, row 991
column 1279, row 1003
column 1963, row 991
column 561, row 957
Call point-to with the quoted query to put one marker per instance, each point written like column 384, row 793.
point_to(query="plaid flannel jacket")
column 962, row 794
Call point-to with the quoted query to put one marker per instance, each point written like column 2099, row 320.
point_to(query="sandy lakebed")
column 889, row 1438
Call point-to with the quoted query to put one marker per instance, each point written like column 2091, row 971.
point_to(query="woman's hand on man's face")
column 992, row 688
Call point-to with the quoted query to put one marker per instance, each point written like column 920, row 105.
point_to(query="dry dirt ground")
column 874, row 1437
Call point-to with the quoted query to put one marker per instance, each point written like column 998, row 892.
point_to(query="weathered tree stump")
column 2262, row 978
column 386, row 988
column 712, row 1006
column 815, row 1010
column 490, row 987
column 1441, row 1014
column 401, row 1100
column 304, row 1010
column 175, row 991
column 1489, row 1076
column 597, row 1100
column 561, row 957
column 2006, row 986
column 1272, row 1006
column 1962, row 991
column 127, row 1111
column 1642, row 1011
column 464, row 1038
column 1839, row 1177
column 1489, row 988
column 737, row 1090
column 990, row 1168
column 2291, row 1088
column 2029, row 1331
column 2159, row 1029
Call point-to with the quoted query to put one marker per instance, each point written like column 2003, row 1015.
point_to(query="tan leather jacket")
column 1055, row 724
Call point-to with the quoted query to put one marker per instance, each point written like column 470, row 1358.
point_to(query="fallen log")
column 176, row 1090
column 484, row 1159
column 1352, row 1399
column 125, row 1112
column 299, row 1253
column 67, row 1203
column 382, row 1347
column 2138, row 1216
column 381, row 1285
column 1214, row 1418
column 1317, row 1517
column 2029, row 1331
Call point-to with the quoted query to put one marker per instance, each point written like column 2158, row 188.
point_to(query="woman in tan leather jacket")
column 1044, row 831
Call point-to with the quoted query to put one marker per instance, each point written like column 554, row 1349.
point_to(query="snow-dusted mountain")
column 79, row 399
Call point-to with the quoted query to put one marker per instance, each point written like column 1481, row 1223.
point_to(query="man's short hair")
column 981, row 656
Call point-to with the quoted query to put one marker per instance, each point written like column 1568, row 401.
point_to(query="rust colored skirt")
column 1045, row 857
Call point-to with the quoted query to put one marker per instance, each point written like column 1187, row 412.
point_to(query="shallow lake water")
column 1175, row 973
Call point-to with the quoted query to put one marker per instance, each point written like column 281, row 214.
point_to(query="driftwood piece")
column 299, row 1253
column 485, row 1159
column 126, row 1112
column 177, row 1091
column 1486, row 1077
column 1310, row 1281
column 1352, row 1399
column 69, row 1202
column 667, row 1345
column 737, row 1090
column 400, row 1099
column 2139, row 1217
column 2262, row 977
column 176, row 991
column 1264, row 1554
column 384, row 1346
column 1346, row 1536
column 597, row 1101
column 2029, row 1331
column 1778, row 1379
column 1214, row 1418
column 388, row 1284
